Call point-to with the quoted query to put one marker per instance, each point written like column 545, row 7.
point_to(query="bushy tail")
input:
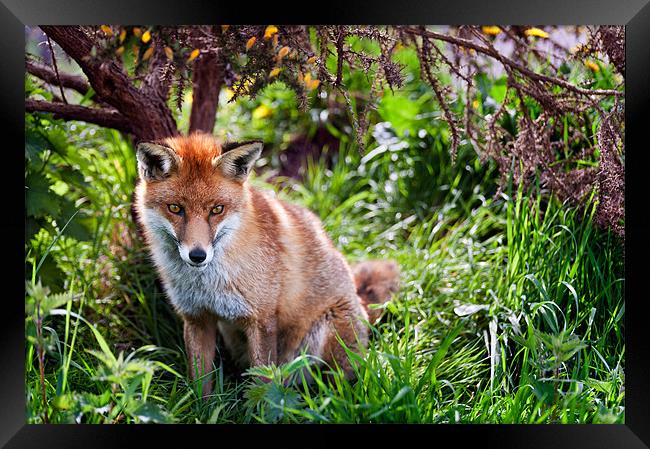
column 376, row 281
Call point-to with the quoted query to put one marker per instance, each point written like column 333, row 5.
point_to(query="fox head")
column 192, row 192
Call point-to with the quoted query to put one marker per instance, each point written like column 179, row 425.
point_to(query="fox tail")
column 376, row 281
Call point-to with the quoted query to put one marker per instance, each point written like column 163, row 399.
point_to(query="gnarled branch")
column 109, row 118
column 68, row 81
column 149, row 115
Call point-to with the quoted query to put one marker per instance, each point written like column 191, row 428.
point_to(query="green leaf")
column 400, row 111
column 40, row 200
column 152, row 413
column 498, row 90
column 81, row 226
column 53, row 301
column 51, row 275
column 35, row 144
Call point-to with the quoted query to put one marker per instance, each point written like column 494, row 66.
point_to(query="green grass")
column 510, row 310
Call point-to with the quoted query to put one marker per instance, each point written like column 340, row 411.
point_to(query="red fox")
column 239, row 262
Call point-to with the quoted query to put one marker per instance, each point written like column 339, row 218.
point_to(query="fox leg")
column 343, row 319
column 262, row 339
column 200, row 334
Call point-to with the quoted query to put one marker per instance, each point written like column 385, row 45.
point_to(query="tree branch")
column 158, row 79
column 510, row 63
column 149, row 116
column 109, row 118
column 69, row 81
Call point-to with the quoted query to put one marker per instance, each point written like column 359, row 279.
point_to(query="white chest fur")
column 191, row 291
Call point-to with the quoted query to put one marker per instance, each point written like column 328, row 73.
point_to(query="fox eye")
column 216, row 210
column 175, row 208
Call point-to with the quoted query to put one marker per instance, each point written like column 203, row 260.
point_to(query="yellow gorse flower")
column 492, row 30
column 107, row 30
column 146, row 37
column 224, row 28
column 147, row 54
column 193, row 55
column 283, row 52
column 592, row 65
column 250, row 42
column 274, row 72
column 536, row 32
column 262, row 111
column 270, row 31
column 311, row 84
column 122, row 36
column 119, row 51
column 137, row 32
column 311, row 60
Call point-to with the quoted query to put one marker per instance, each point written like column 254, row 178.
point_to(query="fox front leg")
column 200, row 334
column 262, row 342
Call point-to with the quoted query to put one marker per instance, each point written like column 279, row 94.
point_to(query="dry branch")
column 510, row 63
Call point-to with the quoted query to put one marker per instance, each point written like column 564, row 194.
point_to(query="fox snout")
column 196, row 255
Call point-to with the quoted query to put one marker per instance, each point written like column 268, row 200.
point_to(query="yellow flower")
column 592, row 65
column 262, row 111
column 475, row 104
column 270, row 31
column 274, row 72
column 224, row 28
column 283, row 52
column 147, row 54
column 536, row 32
column 492, row 30
column 119, row 51
column 311, row 60
column 229, row 93
column 169, row 53
column 107, row 30
column 250, row 42
column 146, row 37
column 313, row 84
column 193, row 55
column 122, row 36
column 137, row 32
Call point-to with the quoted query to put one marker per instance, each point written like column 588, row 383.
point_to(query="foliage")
column 511, row 308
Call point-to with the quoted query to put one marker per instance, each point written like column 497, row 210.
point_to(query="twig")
column 56, row 69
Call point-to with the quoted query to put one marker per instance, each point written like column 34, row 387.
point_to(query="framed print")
column 379, row 216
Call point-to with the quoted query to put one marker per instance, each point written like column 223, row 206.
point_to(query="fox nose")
column 197, row 255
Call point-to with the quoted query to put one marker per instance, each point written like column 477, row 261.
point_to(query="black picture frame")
column 634, row 14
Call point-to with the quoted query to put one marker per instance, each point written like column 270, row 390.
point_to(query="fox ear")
column 238, row 160
column 155, row 162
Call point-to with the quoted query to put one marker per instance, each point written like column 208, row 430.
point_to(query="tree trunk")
column 207, row 80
